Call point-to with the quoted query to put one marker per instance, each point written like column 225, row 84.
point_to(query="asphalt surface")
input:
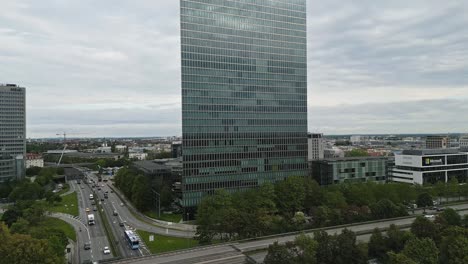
column 109, row 206
column 96, row 233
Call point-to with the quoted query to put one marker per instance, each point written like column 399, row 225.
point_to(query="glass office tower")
column 244, row 94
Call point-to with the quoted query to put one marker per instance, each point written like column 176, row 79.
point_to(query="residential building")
column 437, row 142
column 12, row 131
column 316, row 147
column 464, row 142
column 244, row 94
column 137, row 155
column 352, row 169
column 34, row 160
column 429, row 166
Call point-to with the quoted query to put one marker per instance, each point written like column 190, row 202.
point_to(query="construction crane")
column 64, row 147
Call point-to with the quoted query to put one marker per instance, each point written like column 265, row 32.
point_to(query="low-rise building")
column 351, row 169
column 437, row 142
column 34, row 160
column 428, row 166
column 138, row 155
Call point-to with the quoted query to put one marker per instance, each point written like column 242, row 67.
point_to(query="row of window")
column 239, row 24
column 250, row 135
column 240, row 108
column 233, row 18
column 257, row 89
column 244, row 95
column 245, row 122
column 187, row 34
column 253, row 47
column 244, row 142
column 253, row 53
column 244, row 101
column 300, row 87
column 264, row 11
column 202, row 158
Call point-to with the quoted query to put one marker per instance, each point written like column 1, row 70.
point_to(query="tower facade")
column 244, row 94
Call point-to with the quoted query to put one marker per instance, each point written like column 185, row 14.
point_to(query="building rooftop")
column 149, row 166
column 422, row 152
column 353, row 158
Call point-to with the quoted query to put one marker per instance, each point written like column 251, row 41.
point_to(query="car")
column 112, row 191
column 93, row 203
column 99, row 188
column 122, row 224
column 106, row 251
column 95, row 209
column 435, row 208
column 107, row 191
column 429, row 216
column 82, row 187
column 121, row 204
column 87, row 210
column 87, row 246
column 102, row 199
column 440, row 209
column 115, row 212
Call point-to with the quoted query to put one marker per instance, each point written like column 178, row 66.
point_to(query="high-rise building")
column 244, row 94
column 316, row 147
column 437, row 142
column 12, row 131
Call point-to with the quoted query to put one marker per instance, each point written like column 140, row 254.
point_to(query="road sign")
column 151, row 238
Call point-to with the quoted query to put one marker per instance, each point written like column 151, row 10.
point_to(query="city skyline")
column 373, row 68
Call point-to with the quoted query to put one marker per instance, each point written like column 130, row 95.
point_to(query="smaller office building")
column 34, row 160
column 429, row 166
column 352, row 169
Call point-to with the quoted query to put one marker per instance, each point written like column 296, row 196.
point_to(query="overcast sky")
column 112, row 67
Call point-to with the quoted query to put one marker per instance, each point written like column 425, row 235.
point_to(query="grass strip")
column 162, row 244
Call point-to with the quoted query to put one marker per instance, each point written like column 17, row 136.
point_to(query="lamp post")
column 159, row 201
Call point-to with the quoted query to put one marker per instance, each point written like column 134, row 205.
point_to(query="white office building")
column 464, row 142
column 316, row 147
column 430, row 166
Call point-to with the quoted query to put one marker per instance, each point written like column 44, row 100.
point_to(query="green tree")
column 396, row 239
column 453, row 250
column 281, row 254
column 141, row 193
column 314, row 194
column 424, row 228
column 308, row 249
column 440, row 189
column 357, row 153
column 385, row 209
column 210, row 215
column 423, row 251
column 451, row 217
column 23, row 249
column 377, row 245
column 347, row 250
column 394, row 258
column 424, row 200
column 335, row 199
column 290, row 195
column 21, row 226
column 454, row 188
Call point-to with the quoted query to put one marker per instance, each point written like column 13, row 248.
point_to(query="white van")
column 91, row 197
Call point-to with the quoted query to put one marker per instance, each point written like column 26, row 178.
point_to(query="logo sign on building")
column 433, row 161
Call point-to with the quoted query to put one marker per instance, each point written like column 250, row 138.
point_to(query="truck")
column 91, row 219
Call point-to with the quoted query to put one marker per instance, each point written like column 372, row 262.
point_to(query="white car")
column 106, row 251
column 429, row 216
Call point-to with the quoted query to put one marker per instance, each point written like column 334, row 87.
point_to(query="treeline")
column 138, row 188
column 300, row 203
column 27, row 190
column 27, row 239
column 443, row 241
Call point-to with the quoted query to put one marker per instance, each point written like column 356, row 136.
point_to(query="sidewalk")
column 156, row 222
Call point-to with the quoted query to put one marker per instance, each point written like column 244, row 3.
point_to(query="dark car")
column 121, row 224
column 102, row 199
column 87, row 246
column 440, row 209
column 93, row 203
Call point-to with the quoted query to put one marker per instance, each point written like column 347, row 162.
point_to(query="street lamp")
column 159, row 202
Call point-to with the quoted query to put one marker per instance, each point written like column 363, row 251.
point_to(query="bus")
column 132, row 239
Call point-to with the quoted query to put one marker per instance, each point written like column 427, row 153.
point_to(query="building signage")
column 433, row 161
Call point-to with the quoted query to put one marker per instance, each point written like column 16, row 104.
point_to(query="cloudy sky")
column 112, row 67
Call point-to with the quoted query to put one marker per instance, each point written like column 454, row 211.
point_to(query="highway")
column 109, row 206
column 96, row 233
column 234, row 252
column 131, row 221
